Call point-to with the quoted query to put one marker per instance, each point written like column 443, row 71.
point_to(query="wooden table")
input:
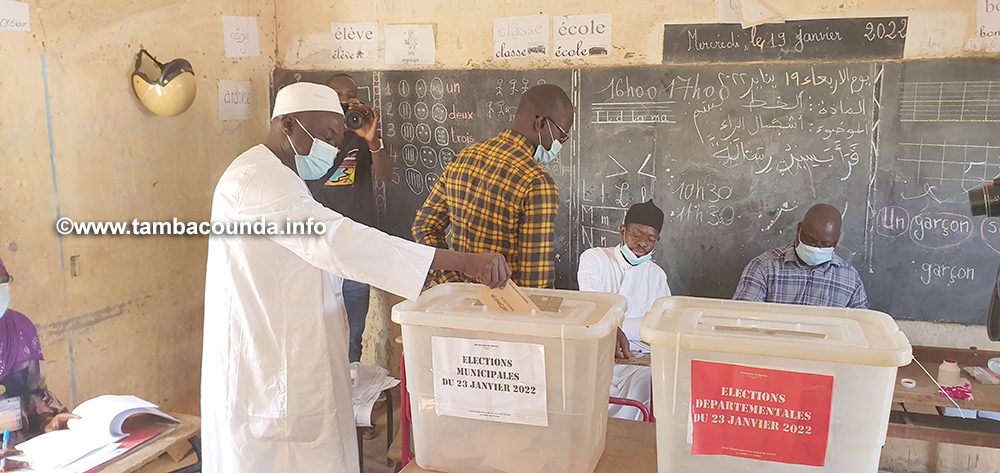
column 931, row 427
column 173, row 441
column 984, row 397
column 640, row 360
column 630, row 446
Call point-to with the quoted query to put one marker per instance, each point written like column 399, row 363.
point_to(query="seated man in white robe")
column 627, row 269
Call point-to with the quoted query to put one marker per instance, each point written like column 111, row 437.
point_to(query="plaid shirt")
column 497, row 199
column 778, row 276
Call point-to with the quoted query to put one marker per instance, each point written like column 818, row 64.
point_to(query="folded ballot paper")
column 509, row 299
column 96, row 437
column 369, row 383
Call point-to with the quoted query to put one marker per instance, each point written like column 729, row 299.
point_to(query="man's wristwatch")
column 381, row 146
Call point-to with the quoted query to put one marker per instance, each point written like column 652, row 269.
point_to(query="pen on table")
column 6, row 444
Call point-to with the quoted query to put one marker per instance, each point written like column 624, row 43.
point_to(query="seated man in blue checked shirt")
column 806, row 272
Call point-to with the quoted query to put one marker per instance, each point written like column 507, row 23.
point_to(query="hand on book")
column 622, row 346
column 58, row 422
column 12, row 465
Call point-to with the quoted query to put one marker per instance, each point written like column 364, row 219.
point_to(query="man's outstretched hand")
column 491, row 269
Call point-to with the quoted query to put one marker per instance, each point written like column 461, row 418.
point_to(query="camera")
column 354, row 119
column 986, row 200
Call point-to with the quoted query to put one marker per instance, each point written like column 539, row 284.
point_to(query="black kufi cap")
column 645, row 213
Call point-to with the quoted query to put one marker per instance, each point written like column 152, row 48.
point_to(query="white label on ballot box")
column 490, row 380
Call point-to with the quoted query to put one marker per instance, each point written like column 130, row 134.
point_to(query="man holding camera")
column 349, row 189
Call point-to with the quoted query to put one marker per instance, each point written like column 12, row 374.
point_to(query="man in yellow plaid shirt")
column 496, row 196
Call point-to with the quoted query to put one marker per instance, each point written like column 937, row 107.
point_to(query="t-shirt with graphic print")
column 348, row 187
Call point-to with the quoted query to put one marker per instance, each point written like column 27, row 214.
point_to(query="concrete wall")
column 116, row 314
column 463, row 28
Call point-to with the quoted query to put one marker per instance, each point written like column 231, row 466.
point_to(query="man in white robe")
column 275, row 376
column 628, row 270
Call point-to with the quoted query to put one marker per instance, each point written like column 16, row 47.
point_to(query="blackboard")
column 806, row 40
column 930, row 259
column 735, row 154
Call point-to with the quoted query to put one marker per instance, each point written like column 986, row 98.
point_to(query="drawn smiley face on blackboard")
column 428, row 157
column 421, row 111
column 431, row 179
column 439, row 113
column 423, row 133
column 420, row 88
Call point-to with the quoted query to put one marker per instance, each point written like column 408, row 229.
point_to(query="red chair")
column 646, row 415
column 407, row 416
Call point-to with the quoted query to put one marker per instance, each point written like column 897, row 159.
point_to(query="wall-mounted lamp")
column 166, row 89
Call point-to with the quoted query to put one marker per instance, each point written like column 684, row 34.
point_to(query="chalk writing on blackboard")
column 953, row 168
column 737, row 112
column 850, row 38
column 954, row 101
column 948, row 274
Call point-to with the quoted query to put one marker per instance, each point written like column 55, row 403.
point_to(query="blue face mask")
column 632, row 258
column 319, row 160
column 812, row 255
column 4, row 298
column 543, row 155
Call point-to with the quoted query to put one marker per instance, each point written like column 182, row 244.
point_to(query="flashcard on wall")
column 14, row 16
column 240, row 36
column 409, row 44
column 988, row 25
column 521, row 36
column 234, row 100
column 354, row 41
column 578, row 36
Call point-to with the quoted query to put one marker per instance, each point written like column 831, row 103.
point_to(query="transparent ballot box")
column 741, row 387
column 494, row 391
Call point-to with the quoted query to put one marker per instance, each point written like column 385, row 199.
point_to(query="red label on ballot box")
column 757, row 413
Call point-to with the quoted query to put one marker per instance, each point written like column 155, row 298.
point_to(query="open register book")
column 96, row 437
